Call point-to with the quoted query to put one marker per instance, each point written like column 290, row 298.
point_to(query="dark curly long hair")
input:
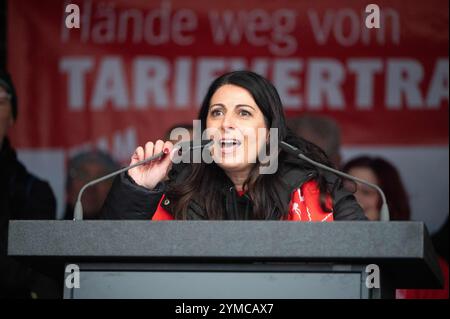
column 206, row 181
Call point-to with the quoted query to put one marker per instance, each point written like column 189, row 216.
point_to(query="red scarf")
column 304, row 206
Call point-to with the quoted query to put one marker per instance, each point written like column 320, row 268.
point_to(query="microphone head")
column 187, row 152
column 203, row 143
column 194, row 144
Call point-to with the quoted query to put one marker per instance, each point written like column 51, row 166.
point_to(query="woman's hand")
column 150, row 174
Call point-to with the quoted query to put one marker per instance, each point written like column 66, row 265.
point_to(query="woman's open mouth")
column 229, row 145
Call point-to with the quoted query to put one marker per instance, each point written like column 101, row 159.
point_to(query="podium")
column 229, row 259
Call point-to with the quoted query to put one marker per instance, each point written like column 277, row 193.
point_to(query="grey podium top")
column 403, row 246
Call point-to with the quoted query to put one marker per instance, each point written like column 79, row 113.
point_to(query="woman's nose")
column 228, row 121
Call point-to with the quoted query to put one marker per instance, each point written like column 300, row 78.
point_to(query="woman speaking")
column 237, row 106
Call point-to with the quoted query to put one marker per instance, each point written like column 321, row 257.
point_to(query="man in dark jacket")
column 22, row 196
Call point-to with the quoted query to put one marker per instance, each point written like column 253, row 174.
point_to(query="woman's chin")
column 232, row 164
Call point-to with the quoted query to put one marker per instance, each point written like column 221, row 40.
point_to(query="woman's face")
column 233, row 113
column 367, row 197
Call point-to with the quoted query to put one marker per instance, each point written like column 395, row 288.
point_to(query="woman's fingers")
column 168, row 149
column 151, row 149
column 149, row 175
column 149, row 146
column 137, row 156
column 159, row 145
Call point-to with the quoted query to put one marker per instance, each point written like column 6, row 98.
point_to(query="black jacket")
column 22, row 196
column 127, row 200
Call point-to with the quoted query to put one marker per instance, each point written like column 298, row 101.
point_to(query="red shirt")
column 304, row 206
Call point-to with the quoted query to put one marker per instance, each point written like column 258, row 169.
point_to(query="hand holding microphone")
column 150, row 174
column 149, row 166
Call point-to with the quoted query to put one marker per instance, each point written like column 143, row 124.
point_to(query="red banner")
column 135, row 68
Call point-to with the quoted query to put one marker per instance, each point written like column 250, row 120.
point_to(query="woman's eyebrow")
column 237, row 105
column 217, row 104
column 240, row 105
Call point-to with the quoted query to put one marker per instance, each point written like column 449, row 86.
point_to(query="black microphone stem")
column 78, row 212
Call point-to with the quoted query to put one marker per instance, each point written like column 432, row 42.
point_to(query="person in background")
column 320, row 130
column 380, row 172
column 83, row 168
column 22, row 196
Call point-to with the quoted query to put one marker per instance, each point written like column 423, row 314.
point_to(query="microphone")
column 288, row 148
column 189, row 145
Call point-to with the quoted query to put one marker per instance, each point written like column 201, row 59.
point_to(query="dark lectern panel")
column 402, row 248
column 217, row 239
